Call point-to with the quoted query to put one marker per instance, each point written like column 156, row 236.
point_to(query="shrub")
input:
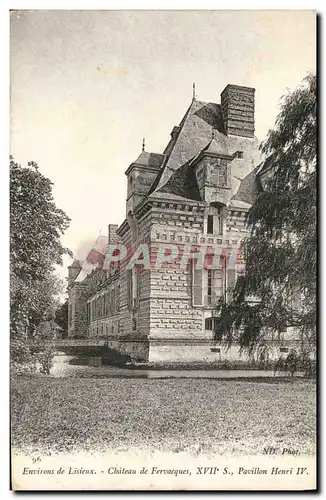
column 295, row 362
column 45, row 358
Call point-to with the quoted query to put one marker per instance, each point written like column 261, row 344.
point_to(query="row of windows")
column 105, row 330
column 208, row 285
column 105, row 305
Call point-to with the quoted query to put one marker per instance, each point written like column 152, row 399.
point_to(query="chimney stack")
column 113, row 238
column 238, row 110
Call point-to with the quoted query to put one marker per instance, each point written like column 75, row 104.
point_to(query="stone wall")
column 137, row 350
column 125, row 314
column 103, row 307
column 188, row 352
column 196, row 352
column 104, row 327
column 77, row 305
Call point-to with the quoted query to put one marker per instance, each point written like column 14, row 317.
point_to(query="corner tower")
column 140, row 177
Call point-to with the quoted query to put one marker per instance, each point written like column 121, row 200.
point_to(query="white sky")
column 86, row 86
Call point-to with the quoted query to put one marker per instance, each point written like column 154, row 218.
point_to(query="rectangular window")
column 217, row 284
column 113, row 301
column 210, row 228
column 215, row 223
column 219, row 177
column 117, row 298
column 214, row 288
column 135, row 287
column 284, row 349
column 211, row 324
column 129, row 289
column 209, row 286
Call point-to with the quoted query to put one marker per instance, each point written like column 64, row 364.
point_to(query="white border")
column 5, row 6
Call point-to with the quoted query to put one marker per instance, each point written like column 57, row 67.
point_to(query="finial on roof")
column 193, row 91
column 143, row 146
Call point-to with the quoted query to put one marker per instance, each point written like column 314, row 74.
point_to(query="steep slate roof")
column 195, row 136
column 149, row 159
column 248, row 188
column 219, row 146
column 95, row 258
column 76, row 264
column 182, row 183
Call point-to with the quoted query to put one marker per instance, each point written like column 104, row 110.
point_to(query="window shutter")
column 113, row 300
column 217, row 284
column 197, row 285
column 231, row 280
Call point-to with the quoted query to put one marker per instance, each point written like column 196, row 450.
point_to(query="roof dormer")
column 213, row 172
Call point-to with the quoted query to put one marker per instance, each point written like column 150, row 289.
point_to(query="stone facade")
column 193, row 197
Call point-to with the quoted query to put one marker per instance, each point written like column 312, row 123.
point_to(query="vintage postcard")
column 163, row 250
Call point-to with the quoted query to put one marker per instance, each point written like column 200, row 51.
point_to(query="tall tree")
column 280, row 251
column 36, row 225
column 61, row 317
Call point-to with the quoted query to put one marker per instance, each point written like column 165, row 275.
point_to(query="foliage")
column 66, row 415
column 61, row 317
column 45, row 359
column 295, row 362
column 31, row 356
column 280, row 251
column 36, row 225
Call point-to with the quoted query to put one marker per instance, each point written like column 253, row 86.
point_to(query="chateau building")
column 193, row 195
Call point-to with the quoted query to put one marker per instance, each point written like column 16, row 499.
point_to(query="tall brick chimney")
column 238, row 109
column 113, row 238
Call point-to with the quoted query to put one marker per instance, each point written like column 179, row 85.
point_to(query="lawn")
column 66, row 415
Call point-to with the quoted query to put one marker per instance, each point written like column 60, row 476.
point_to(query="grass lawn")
column 65, row 415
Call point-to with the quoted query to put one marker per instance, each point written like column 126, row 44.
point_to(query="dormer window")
column 219, row 175
column 238, row 154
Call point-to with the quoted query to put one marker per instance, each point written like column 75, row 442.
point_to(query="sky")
column 87, row 86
